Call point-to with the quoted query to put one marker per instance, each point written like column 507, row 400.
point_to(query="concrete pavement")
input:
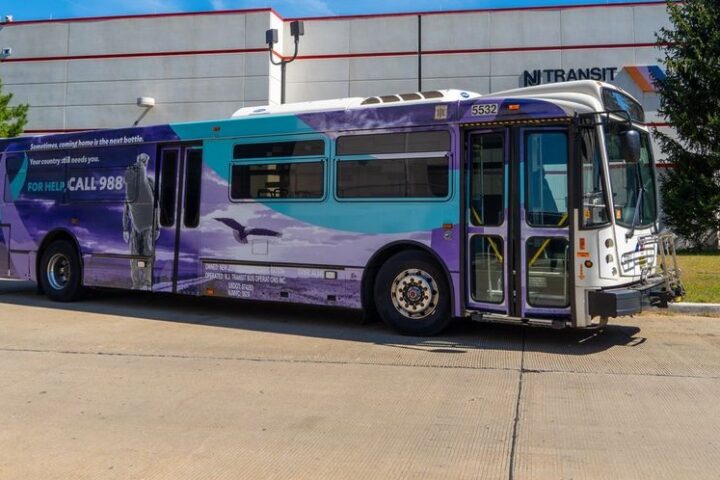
column 127, row 385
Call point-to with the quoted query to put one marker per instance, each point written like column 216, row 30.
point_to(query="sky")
column 49, row 9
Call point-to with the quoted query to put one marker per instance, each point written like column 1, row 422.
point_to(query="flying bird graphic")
column 241, row 233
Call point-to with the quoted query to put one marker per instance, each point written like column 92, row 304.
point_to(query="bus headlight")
column 609, row 258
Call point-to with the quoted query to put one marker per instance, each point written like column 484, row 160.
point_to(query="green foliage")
column 12, row 119
column 690, row 101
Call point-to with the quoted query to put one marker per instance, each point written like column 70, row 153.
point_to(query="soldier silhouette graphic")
column 140, row 222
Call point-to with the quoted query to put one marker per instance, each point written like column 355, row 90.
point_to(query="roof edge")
column 331, row 18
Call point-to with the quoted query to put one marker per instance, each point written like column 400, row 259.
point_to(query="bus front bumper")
column 619, row 302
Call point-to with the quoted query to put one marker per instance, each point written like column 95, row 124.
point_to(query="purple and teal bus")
column 533, row 206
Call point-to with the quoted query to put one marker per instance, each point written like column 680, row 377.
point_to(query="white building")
column 88, row 73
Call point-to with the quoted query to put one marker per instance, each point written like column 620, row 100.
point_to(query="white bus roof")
column 578, row 96
column 432, row 96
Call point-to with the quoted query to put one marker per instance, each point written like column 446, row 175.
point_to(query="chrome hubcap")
column 415, row 294
column 58, row 271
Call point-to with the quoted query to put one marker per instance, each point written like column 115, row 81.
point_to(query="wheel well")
column 51, row 237
column 382, row 256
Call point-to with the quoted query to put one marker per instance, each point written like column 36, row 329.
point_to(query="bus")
column 536, row 206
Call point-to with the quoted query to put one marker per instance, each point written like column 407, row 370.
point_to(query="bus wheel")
column 412, row 295
column 60, row 272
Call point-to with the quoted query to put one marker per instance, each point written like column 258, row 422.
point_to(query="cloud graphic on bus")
column 241, row 233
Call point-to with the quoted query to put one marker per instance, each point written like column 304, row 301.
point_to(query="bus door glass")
column 5, row 250
column 176, row 266
column 487, row 220
column 544, row 247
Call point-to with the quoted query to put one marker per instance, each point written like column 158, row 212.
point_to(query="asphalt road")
column 127, row 385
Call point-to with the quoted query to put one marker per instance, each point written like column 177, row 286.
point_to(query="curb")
column 696, row 308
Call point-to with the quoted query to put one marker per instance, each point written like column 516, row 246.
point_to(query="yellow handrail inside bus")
column 546, row 242
column 492, row 242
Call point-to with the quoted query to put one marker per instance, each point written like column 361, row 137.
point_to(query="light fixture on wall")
column 144, row 102
column 297, row 30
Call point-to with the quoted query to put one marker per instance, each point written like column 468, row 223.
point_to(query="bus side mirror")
column 631, row 146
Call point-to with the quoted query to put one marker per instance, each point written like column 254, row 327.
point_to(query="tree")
column 12, row 119
column 690, row 101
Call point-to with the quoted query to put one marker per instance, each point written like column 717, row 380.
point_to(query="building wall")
column 88, row 73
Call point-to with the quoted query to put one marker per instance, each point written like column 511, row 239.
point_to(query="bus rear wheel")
column 412, row 295
column 60, row 272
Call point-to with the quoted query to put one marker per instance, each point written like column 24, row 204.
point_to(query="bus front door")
column 175, row 266
column 518, row 248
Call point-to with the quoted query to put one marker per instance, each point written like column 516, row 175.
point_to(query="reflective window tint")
column 547, row 193
column 277, row 180
column 301, row 148
column 408, row 142
column 393, row 178
column 487, row 179
column 168, row 187
column 615, row 100
column 193, row 181
column 487, row 269
column 547, row 272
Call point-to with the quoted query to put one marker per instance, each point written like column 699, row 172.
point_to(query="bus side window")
column 193, row 181
column 296, row 180
column 393, row 165
column 168, row 187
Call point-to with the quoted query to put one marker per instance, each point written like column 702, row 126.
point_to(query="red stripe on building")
column 474, row 51
column 329, row 56
column 110, row 56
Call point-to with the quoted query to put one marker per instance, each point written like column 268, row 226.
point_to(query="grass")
column 700, row 276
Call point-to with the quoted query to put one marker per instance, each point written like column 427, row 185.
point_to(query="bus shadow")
column 326, row 322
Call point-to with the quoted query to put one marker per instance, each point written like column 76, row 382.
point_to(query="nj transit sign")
column 554, row 75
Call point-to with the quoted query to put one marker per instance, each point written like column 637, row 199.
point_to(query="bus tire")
column 412, row 295
column 60, row 272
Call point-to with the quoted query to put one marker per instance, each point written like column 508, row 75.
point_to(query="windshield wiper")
column 641, row 192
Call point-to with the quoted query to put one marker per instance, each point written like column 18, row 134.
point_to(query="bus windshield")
column 632, row 184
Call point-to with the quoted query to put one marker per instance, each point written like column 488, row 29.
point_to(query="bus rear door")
column 176, row 263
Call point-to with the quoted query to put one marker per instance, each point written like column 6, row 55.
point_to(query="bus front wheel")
column 60, row 272
column 412, row 295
